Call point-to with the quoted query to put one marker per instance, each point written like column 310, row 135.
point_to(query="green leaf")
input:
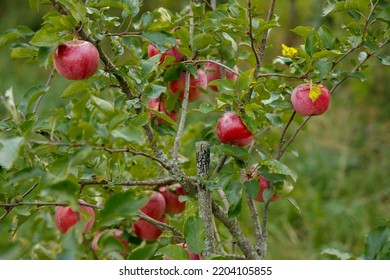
column 194, row 233
column 252, row 188
column 130, row 133
column 64, row 190
column 9, row 150
column 103, row 106
column 302, row 31
column 245, row 80
column 163, row 116
column 45, row 37
column 268, row 194
column 354, row 74
column 375, row 243
column 32, row 96
column 34, row 4
column 323, row 67
column 294, row 203
column 149, row 66
column 219, row 181
column 224, row 85
column 235, row 151
column 233, row 193
column 385, row 59
column 311, row 43
column 277, row 167
column 173, row 252
column 13, row 34
column 202, row 41
column 173, row 72
column 162, row 40
column 122, row 204
column 78, row 87
column 274, row 119
column 26, row 174
column 337, row 254
column 154, row 91
column 146, row 252
column 355, row 41
column 23, row 52
column 327, row 37
column 205, row 108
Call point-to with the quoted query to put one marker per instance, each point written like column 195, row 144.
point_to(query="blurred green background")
column 343, row 188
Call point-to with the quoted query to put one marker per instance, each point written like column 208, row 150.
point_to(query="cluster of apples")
column 164, row 201
column 199, row 83
column 78, row 59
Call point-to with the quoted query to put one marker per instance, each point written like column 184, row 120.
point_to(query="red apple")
column 264, row 184
column 65, row 217
column 310, row 100
column 76, row 59
column 155, row 207
column 152, row 51
column 213, row 72
column 178, row 86
column 146, row 230
column 117, row 233
column 231, row 130
column 159, row 105
column 171, row 195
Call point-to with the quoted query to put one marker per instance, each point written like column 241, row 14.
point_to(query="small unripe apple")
column 76, row 59
column 152, row 51
column 171, row 195
column 231, row 130
column 178, row 86
column 116, row 233
column 310, row 100
column 213, row 72
column 146, row 230
column 155, row 207
column 159, row 105
column 65, row 217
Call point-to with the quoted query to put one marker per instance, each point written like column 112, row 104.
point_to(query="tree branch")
column 41, row 204
column 159, row 182
column 204, row 195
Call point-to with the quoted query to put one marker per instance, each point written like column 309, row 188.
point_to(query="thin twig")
column 183, row 115
column 162, row 226
column 41, row 204
column 264, row 231
column 9, row 209
column 35, row 109
column 214, row 62
column 281, row 141
column 159, row 182
column 256, row 223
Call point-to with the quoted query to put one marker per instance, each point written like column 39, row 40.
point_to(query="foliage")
column 102, row 142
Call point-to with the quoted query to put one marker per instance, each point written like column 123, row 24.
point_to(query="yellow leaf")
column 315, row 92
column 290, row 52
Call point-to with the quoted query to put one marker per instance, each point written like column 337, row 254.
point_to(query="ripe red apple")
column 171, row 195
column 152, row 51
column 213, row 72
column 65, row 217
column 146, row 230
column 159, row 105
column 76, row 59
column 178, row 86
column 155, row 207
column 264, row 184
column 310, row 100
column 117, row 233
column 231, row 130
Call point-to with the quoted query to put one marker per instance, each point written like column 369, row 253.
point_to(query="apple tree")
column 171, row 137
